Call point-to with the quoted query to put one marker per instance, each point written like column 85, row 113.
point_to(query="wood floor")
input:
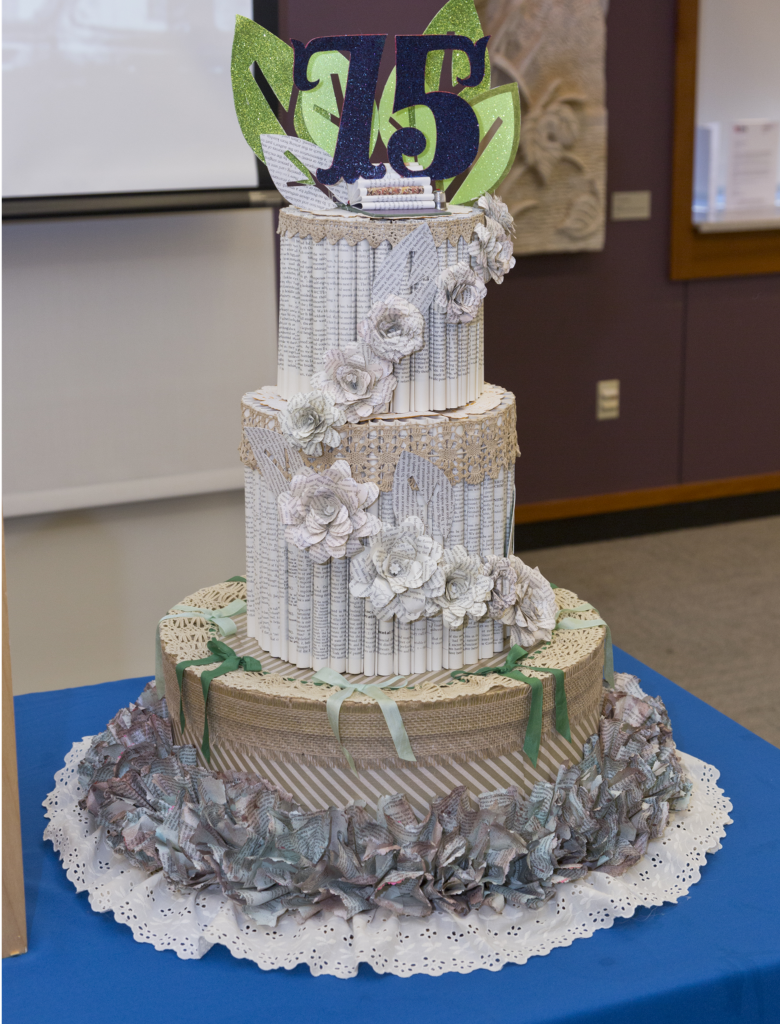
column 701, row 606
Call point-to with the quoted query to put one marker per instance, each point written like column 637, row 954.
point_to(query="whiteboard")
column 105, row 96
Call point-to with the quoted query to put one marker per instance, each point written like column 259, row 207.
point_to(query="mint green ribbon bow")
column 220, row 617
column 533, row 731
column 388, row 706
column 230, row 662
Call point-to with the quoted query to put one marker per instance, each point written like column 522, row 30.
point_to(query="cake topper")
column 459, row 137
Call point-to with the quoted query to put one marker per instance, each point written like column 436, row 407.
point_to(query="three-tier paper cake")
column 390, row 711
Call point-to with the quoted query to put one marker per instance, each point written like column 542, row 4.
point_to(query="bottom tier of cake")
column 272, row 719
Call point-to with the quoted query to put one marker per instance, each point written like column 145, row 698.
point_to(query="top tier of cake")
column 342, row 272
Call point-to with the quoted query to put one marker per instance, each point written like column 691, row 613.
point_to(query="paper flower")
column 393, row 328
column 491, row 252
column 308, row 422
column 497, row 210
column 357, row 381
column 466, row 587
column 399, row 572
column 521, row 598
column 323, row 513
column 505, row 574
column 459, row 293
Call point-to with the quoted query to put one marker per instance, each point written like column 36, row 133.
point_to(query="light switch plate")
column 607, row 399
column 631, row 205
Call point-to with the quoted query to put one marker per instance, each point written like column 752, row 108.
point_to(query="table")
column 714, row 957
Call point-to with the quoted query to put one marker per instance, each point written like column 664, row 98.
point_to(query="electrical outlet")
column 607, row 399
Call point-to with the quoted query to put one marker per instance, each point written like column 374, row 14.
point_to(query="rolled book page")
column 452, row 345
column 287, row 296
column 419, row 641
column 499, row 514
column 481, row 353
column 319, row 304
column 305, row 610
column 498, row 637
column 404, row 646
column 321, row 624
column 486, row 549
column 332, row 291
column 403, row 368
column 357, row 614
column 472, row 541
column 292, row 381
column 381, row 253
column 510, row 514
column 401, row 395
column 284, row 596
column 474, row 357
column 251, row 524
column 292, row 604
column 262, row 562
column 339, row 612
column 369, row 620
column 463, row 341
column 434, row 652
column 420, row 381
column 271, row 559
column 364, row 278
column 438, row 345
column 369, row 640
column 385, row 645
column 454, row 644
column 346, row 294
column 305, row 316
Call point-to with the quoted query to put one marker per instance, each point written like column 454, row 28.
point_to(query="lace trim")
column 185, row 639
column 465, row 448
column 354, row 228
column 191, row 923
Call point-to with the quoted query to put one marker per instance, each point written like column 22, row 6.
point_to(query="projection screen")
column 116, row 96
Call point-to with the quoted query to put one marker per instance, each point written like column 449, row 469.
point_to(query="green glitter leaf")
column 254, row 44
column 460, row 17
column 496, row 160
column 317, row 110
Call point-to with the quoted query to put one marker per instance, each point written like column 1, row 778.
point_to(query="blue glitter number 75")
column 457, row 128
column 352, row 158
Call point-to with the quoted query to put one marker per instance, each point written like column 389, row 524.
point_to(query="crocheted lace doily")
column 191, row 923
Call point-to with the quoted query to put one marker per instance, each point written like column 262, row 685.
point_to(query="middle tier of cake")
column 406, row 491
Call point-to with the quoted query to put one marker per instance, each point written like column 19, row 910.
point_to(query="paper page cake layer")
column 451, row 473
column 336, row 269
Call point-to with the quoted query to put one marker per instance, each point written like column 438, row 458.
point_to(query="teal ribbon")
column 229, row 662
column 533, row 731
column 220, row 617
column 388, row 706
column 609, row 656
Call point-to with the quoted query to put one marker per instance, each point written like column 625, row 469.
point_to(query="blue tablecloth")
column 714, row 957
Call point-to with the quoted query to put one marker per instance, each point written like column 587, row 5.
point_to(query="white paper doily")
column 191, row 923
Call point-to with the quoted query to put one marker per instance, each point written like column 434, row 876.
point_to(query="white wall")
column 128, row 344
column 87, row 588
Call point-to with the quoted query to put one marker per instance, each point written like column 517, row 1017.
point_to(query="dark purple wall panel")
column 732, row 378
column 559, row 323
column 697, row 391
